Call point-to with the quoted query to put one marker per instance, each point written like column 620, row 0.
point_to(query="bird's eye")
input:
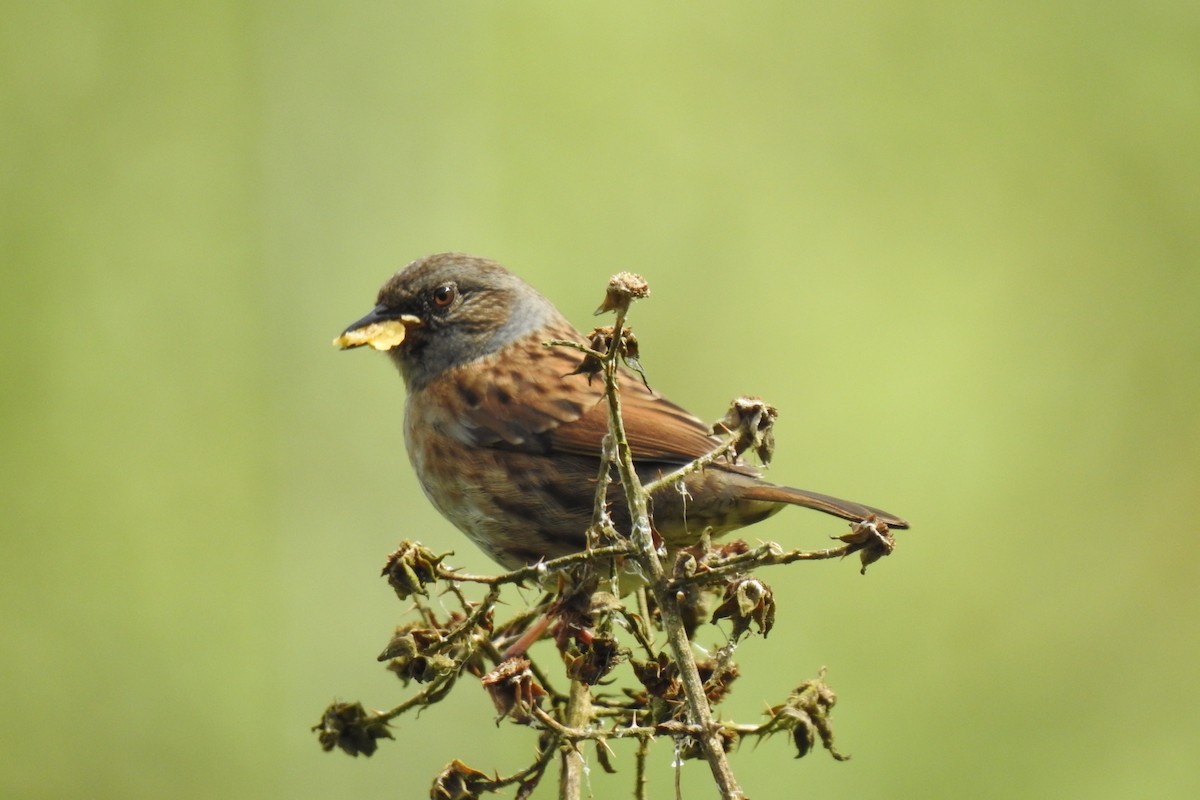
column 444, row 295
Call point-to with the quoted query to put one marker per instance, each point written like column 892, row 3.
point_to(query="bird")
column 504, row 433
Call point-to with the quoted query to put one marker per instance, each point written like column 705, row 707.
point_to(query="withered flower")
column 350, row 727
column 589, row 661
column 418, row 654
column 424, row 653
column 871, row 539
column 747, row 600
column 658, row 676
column 513, row 690
column 591, row 365
column 750, row 422
column 805, row 716
column 601, row 340
column 664, row 696
column 729, row 549
column 717, row 684
column 631, row 356
column 804, row 736
column 588, row 653
column 623, row 289
column 410, row 567
column 686, row 565
column 572, row 613
column 458, row 782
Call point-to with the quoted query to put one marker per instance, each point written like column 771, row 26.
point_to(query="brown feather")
column 519, row 409
column 846, row 509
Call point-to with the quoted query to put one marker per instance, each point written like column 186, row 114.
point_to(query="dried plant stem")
column 435, row 691
column 576, row 716
column 533, row 771
column 640, row 783
column 660, row 583
column 676, row 477
column 765, row 555
column 536, row 571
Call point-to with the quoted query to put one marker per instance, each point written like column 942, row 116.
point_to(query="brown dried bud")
column 424, row 653
column 591, row 659
column 871, row 539
column 573, row 615
column 733, row 547
column 601, row 340
column 750, row 423
column 459, row 782
column 350, row 727
column 718, row 678
column 803, row 735
column 418, row 654
column 747, row 600
column 805, row 716
column 659, row 676
column 591, row 365
column 513, row 690
column 686, row 565
column 410, row 567
column 623, row 289
column 588, row 653
column 664, row 696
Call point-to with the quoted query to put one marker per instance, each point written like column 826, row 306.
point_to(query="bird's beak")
column 383, row 329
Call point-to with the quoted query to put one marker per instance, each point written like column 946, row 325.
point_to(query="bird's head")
column 446, row 310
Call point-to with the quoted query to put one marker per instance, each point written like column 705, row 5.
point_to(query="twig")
column 432, row 693
column 577, row 713
column 640, row 783
column 538, row 570
column 668, row 602
column 766, row 555
column 533, row 771
column 672, row 478
column 565, row 731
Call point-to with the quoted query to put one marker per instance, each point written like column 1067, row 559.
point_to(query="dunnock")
column 506, row 441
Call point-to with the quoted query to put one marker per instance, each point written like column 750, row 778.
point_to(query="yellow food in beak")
column 380, row 335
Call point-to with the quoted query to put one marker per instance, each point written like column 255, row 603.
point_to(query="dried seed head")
column 458, row 782
column 659, row 676
column 871, row 539
column 410, row 567
column 513, row 690
column 805, row 716
column 418, row 654
column 589, row 660
column 750, row 423
column 349, row 727
column 747, row 600
column 623, row 289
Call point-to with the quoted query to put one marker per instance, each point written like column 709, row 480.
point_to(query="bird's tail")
column 846, row 509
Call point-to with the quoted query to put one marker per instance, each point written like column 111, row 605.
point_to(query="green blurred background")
column 956, row 244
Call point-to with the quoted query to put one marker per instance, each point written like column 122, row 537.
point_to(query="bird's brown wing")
column 542, row 408
column 657, row 429
column 535, row 404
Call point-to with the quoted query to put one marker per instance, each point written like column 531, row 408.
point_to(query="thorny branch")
column 674, row 695
column 623, row 289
